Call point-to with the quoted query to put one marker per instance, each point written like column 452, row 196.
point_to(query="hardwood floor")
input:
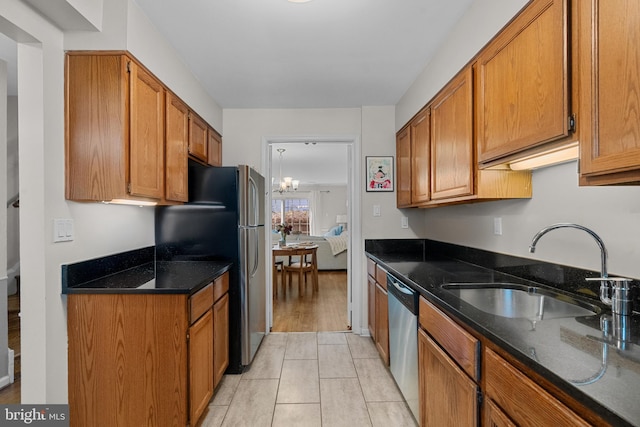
column 322, row 311
column 11, row 393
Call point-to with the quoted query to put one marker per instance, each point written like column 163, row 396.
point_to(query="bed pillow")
column 334, row 231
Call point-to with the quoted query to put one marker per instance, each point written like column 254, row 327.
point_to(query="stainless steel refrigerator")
column 224, row 220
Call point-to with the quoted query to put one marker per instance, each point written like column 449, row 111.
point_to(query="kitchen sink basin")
column 515, row 300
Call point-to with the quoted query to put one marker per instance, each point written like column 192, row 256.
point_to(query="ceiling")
column 319, row 54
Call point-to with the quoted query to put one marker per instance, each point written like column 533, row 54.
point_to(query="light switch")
column 62, row 230
column 404, row 222
column 376, row 210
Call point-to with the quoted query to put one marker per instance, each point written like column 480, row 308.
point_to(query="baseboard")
column 365, row 332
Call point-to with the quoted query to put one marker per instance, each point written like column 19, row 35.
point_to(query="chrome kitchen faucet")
column 620, row 299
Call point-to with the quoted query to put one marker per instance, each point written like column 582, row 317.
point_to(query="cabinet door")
column 125, row 368
column 452, row 160
column 521, row 399
column 198, row 137
column 96, row 133
column 177, row 137
column 382, row 323
column 220, row 338
column 146, row 134
column 448, row 396
column 523, row 96
column 403, row 164
column 200, row 365
column 609, row 123
column 494, row 417
column 371, row 303
column 215, row 148
column 420, row 157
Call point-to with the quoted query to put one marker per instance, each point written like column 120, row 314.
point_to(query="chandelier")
column 287, row 183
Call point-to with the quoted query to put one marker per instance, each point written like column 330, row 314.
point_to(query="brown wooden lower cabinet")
column 448, row 370
column 382, row 323
column 200, row 365
column 220, row 338
column 378, row 309
column 494, row 417
column 146, row 359
column 371, row 306
column 522, row 400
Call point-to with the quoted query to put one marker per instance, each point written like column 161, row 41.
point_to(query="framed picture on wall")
column 379, row 173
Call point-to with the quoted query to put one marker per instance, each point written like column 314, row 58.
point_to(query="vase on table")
column 283, row 240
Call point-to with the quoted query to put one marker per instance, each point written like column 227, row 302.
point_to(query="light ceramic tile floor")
column 311, row 379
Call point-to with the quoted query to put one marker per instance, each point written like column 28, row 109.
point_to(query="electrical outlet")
column 497, row 226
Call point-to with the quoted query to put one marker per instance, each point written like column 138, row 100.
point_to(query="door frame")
column 354, row 243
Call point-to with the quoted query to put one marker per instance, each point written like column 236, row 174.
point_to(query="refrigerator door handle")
column 256, row 249
column 254, row 201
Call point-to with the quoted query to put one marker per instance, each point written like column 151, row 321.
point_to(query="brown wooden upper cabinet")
column 523, row 83
column 403, row 166
column 215, row 148
column 412, row 153
column 198, row 137
column 177, row 139
column 608, row 79
column 114, row 129
column 436, row 155
column 452, row 160
column 127, row 135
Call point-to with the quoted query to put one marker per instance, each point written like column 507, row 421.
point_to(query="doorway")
column 321, row 203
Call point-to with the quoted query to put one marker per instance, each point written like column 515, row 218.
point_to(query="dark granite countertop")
column 575, row 354
column 137, row 272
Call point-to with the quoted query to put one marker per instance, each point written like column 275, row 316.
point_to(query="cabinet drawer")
column 371, row 267
column 200, row 302
column 463, row 347
column 220, row 286
column 381, row 277
column 521, row 399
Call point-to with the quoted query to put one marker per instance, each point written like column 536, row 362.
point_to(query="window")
column 293, row 212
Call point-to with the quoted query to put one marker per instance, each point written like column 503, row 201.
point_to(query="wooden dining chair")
column 278, row 267
column 306, row 263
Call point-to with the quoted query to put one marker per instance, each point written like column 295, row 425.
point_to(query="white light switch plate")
column 62, row 230
column 404, row 222
column 497, row 226
column 376, row 210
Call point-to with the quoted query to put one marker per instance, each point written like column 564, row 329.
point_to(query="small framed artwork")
column 379, row 173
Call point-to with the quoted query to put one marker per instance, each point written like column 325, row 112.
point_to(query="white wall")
column 612, row 212
column 331, row 201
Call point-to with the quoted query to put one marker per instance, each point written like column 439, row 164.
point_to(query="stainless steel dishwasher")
column 403, row 340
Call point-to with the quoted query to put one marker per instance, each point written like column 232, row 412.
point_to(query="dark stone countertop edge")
column 206, row 272
column 431, row 293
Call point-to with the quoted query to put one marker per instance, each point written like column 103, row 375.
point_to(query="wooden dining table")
column 301, row 251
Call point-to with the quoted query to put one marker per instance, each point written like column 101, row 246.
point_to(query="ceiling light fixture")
column 287, row 183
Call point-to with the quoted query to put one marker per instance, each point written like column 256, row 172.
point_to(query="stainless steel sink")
column 520, row 301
